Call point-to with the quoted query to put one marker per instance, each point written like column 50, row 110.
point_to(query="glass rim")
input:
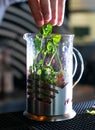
column 62, row 34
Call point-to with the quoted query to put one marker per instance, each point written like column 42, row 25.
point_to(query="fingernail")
column 39, row 23
column 47, row 17
column 46, row 21
column 53, row 22
column 59, row 23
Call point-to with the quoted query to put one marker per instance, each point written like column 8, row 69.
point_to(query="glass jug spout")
column 28, row 37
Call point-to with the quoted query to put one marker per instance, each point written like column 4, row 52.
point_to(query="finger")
column 46, row 10
column 61, row 11
column 54, row 9
column 36, row 12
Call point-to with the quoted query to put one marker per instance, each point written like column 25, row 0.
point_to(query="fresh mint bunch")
column 46, row 46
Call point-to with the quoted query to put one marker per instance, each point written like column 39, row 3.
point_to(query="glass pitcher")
column 50, row 85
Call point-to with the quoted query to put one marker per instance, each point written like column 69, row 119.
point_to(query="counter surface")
column 82, row 121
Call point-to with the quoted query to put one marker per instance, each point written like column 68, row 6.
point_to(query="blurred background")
column 17, row 20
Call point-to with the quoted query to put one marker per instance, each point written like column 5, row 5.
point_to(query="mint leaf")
column 37, row 43
column 56, row 38
column 50, row 47
column 46, row 30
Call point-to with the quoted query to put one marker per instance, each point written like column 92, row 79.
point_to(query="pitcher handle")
column 76, row 64
column 82, row 65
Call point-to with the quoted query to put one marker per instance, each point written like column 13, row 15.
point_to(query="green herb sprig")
column 43, row 67
column 92, row 112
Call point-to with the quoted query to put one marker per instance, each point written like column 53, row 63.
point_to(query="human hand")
column 47, row 11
